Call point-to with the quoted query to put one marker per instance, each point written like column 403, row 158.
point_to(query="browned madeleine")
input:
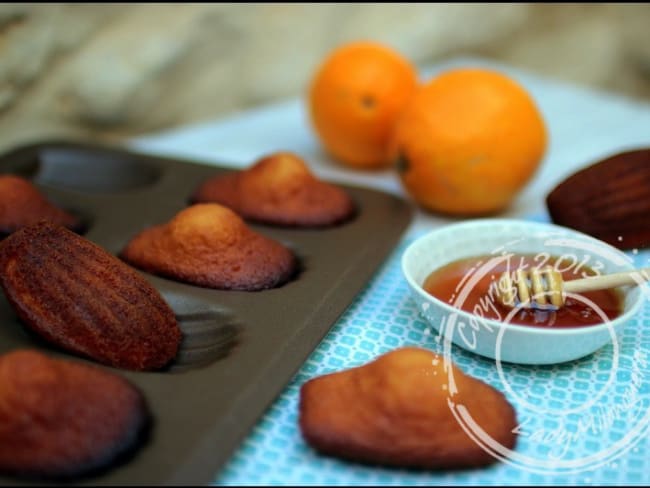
column 609, row 200
column 22, row 204
column 209, row 245
column 279, row 189
column 395, row 411
column 61, row 419
column 77, row 296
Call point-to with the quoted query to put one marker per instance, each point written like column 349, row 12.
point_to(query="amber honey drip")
column 443, row 284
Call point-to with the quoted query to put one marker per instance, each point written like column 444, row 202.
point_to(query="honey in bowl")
column 446, row 282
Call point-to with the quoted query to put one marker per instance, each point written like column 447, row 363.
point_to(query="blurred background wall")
column 113, row 71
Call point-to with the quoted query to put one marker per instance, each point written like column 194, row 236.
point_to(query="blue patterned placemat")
column 554, row 421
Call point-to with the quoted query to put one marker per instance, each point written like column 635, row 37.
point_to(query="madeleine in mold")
column 22, row 204
column 279, row 189
column 209, row 245
column 63, row 419
column 76, row 295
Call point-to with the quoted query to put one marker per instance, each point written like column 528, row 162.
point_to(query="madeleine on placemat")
column 609, row 200
column 279, row 189
column 74, row 294
column 397, row 411
column 211, row 246
column 61, row 419
column 22, row 204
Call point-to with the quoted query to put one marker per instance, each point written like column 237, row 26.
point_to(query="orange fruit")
column 468, row 141
column 355, row 98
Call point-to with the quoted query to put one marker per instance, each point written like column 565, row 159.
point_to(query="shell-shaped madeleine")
column 397, row 411
column 279, row 189
column 210, row 246
column 22, row 204
column 76, row 295
column 609, row 200
column 62, row 419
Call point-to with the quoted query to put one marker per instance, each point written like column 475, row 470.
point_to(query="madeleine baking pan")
column 239, row 349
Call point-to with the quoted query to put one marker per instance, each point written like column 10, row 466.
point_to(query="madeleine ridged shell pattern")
column 609, row 200
column 76, row 295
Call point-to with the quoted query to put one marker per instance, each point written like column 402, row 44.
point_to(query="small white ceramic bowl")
column 510, row 342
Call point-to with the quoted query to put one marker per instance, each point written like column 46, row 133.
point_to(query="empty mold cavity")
column 207, row 337
column 87, row 171
column 85, row 220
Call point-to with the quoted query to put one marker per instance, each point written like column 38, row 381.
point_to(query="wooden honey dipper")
column 545, row 286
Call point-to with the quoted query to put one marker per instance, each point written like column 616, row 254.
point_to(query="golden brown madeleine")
column 609, row 200
column 74, row 294
column 64, row 419
column 22, row 204
column 279, row 189
column 211, row 246
column 394, row 411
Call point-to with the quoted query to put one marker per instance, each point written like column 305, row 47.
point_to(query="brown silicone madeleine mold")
column 239, row 348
